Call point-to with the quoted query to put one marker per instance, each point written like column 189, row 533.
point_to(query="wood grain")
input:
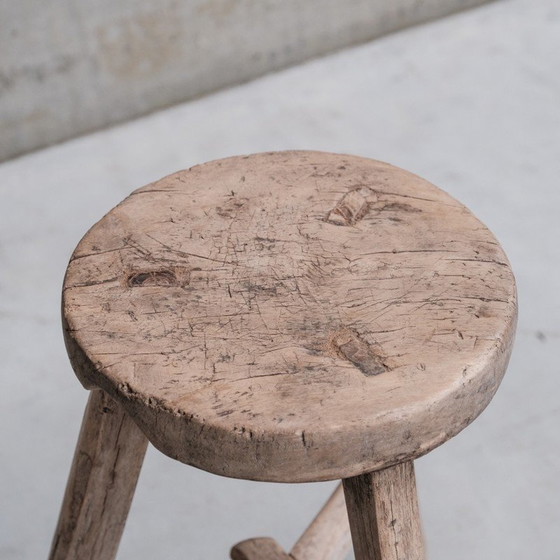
column 102, row 480
column 384, row 516
column 292, row 316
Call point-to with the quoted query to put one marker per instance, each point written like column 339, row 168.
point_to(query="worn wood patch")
column 352, row 347
column 352, row 207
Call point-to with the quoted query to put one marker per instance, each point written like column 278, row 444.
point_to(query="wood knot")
column 352, row 207
column 350, row 346
column 164, row 277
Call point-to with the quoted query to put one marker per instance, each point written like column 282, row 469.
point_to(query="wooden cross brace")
column 327, row 538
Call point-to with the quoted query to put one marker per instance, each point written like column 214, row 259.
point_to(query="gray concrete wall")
column 69, row 67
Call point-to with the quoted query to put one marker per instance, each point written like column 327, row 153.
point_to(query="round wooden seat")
column 292, row 316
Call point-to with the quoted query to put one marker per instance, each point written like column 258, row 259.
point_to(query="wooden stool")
column 287, row 317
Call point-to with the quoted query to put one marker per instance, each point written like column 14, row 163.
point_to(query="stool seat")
column 292, row 316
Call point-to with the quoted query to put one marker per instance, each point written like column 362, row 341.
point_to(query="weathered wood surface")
column 327, row 538
column 384, row 516
column 102, row 480
column 292, row 316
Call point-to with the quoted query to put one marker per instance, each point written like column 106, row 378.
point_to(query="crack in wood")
column 166, row 277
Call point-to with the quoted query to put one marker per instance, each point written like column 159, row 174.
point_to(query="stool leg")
column 383, row 513
column 101, row 484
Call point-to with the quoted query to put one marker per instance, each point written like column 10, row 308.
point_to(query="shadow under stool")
column 286, row 317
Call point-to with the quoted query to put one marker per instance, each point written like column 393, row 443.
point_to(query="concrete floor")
column 471, row 103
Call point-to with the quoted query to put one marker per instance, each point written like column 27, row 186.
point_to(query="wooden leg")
column 101, row 484
column 383, row 513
